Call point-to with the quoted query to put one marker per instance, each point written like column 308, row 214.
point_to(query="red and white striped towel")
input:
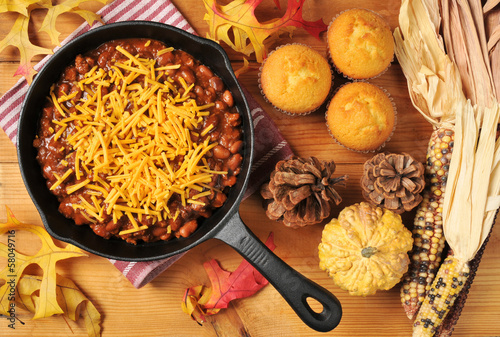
column 270, row 146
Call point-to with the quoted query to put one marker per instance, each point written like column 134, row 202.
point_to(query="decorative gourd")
column 365, row 249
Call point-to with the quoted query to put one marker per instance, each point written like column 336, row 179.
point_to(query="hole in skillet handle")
column 295, row 288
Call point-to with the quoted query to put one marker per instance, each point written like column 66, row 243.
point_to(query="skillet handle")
column 294, row 287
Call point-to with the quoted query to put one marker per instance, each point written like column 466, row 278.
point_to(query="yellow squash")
column 365, row 249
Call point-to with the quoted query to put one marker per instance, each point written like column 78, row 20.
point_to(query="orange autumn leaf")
column 46, row 258
column 237, row 19
column 245, row 281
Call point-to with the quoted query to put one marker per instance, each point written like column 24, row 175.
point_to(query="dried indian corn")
column 445, row 288
column 427, row 231
column 455, row 92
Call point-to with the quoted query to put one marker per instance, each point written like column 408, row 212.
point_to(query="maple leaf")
column 46, row 258
column 69, row 297
column 245, row 281
column 68, row 6
column 250, row 35
column 19, row 38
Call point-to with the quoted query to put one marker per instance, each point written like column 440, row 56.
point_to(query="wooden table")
column 155, row 310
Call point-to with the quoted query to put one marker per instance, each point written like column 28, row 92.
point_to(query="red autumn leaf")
column 243, row 282
column 248, row 34
column 226, row 286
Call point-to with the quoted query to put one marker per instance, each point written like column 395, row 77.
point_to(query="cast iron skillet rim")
column 243, row 109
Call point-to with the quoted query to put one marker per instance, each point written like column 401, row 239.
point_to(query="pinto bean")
column 187, row 74
column 216, row 83
column 187, row 60
column 204, row 72
column 220, row 105
column 78, row 94
column 64, row 89
column 90, row 61
column 236, row 146
column 212, row 120
column 233, row 118
column 219, row 200
column 159, row 231
column 188, row 228
column 112, row 226
column 171, row 72
column 227, row 97
column 102, row 60
column 70, row 74
column 220, row 152
column 234, row 162
column 174, row 224
column 165, row 59
column 198, row 90
column 166, row 236
column 81, row 65
column 210, row 95
column 214, row 135
column 229, row 181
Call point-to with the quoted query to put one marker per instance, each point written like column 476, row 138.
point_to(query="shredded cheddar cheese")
column 61, row 179
column 134, row 135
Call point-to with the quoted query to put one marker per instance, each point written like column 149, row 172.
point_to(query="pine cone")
column 301, row 190
column 393, row 181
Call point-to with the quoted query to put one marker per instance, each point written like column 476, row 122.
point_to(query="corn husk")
column 492, row 12
column 464, row 33
column 433, row 79
column 456, row 88
column 489, row 5
column 457, row 82
column 471, row 198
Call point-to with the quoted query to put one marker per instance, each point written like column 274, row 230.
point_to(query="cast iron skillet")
column 225, row 224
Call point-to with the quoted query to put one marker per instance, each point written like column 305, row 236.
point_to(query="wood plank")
column 8, row 150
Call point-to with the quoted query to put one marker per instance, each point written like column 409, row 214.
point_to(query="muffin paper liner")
column 390, row 135
column 328, row 96
column 330, row 59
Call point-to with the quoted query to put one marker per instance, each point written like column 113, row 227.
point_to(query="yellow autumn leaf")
column 68, row 6
column 46, row 258
column 19, row 6
column 73, row 302
column 19, row 38
column 194, row 300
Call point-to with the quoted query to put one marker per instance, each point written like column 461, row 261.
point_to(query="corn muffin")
column 361, row 117
column 295, row 79
column 360, row 43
